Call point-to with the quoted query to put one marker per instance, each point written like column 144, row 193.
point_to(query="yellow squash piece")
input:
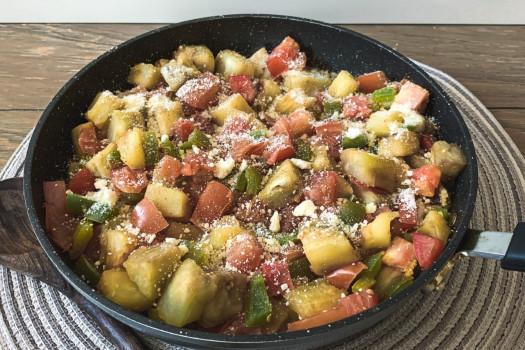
column 198, row 56
column 313, row 298
column 258, row 59
column 434, row 225
column 171, row 202
column 98, row 165
column 402, row 144
column 343, row 85
column 230, row 63
column 377, row 233
column 176, row 74
column 118, row 245
column 225, row 229
column 131, row 149
column 309, row 82
column 382, row 123
column 165, row 111
column 122, row 121
column 101, row 108
column 282, row 187
column 232, row 106
column 292, row 101
column 449, row 158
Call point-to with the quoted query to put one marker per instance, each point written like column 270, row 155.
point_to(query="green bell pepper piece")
column 77, row 204
column 170, row 149
column 87, row 271
column 363, row 283
column 285, row 238
column 300, row 268
column 373, row 264
column 384, row 97
column 239, row 183
column 151, row 147
column 114, row 159
column 198, row 139
column 196, row 253
column 132, row 198
column 81, row 237
column 399, row 286
column 304, row 151
column 357, row 142
column 352, row 212
column 253, row 180
column 101, row 213
column 258, row 134
column 258, row 307
column 332, row 106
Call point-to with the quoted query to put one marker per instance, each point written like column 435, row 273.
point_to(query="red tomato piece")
column 426, row 179
column 282, row 127
column 320, row 319
column 285, row 56
column 168, row 169
column 400, row 254
column 242, row 84
column 55, row 194
column 236, row 126
column 213, row 203
column 330, row 135
column 323, row 188
column 195, row 185
column 370, row 82
column 193, row 162
column 59, row 224
column 426, row 141
column 83, row 182
column 301, row 122
column 279, row 148
column 201, row 91
column 359, row 302
column 412, row 96
column 356, row 107
column 344, row 276
column 245, row 147
column 427, row 249
column 276, row 277
column 88, row 142
column 407, row 209
column 330, row 127
column 183, row 129
column 128, row 180
column 244, row 253
column 147, row 217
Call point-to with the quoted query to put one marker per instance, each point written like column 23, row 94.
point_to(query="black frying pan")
column 327, row 46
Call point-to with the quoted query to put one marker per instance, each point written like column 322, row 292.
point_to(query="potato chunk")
column 115, row 285
column 449, row 158
column 165, row 111
column 145, row 75
column 101, row 108
column 313, row 298
column 122, row 121
column 172, row 202
column 98, row 165
column 118, row 245
column 383, row 122
column 131, row 149
column 326, row 249
column 187, row 294
column 292, row 101
column 229, row 63
column 377, row 233
column 282, row 187
column 198, row 56
column 232, row 106
column 176, row 74
column 343, row 85
column 309, row 82
column 150, row 268
column 399, row 145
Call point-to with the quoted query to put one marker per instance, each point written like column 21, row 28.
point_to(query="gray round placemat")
column 481, row 306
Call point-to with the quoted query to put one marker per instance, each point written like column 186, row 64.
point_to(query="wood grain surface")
column 37, row 59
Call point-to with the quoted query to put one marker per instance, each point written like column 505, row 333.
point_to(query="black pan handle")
column 21, row 252
column 505, row 246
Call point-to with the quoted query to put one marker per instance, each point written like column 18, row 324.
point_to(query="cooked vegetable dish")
column 254, row 195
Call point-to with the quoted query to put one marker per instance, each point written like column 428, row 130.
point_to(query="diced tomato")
column 193, row 162
column 323, row 188
column 195, row 185
column 83, row 182
column 363, row 186
column 244, row 253
column 370, row 82
column 59, row 224
column 168, row 169
column 427, row 249
column 285, row 56
column 426, row 141
column 282, row 127
column 244, row 147
column 407, row 209
column 236, row 126
column 330, row 127
column 213, row 203
column 301, row 122
column 396, row 228
column 183, row 129
column 330, row 135
column 128, row 180
column 344, row 276
column 279, row 148
column 320, row 319
column 412, row 96
column 356, row 107
column 426, row 179
column 199, row 92
column 147, row 217
column 359, row 302
column 88, row 142
column 277, row 277
column 55, row 194
column 400, row 254
column 242, row 84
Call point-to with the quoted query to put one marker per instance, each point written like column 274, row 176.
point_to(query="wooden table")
column 37, row 59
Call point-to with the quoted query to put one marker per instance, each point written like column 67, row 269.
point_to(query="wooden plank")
column 512, row 121
column 14, row 127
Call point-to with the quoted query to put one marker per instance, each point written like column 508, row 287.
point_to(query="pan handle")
column 505, row 246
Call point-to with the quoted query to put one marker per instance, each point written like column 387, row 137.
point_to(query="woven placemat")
column 481, row 307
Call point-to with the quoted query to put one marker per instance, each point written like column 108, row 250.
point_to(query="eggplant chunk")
column 144, row 75
column 131, row 149
column 176, row 74
column 399, row 145
column 225, row 229
column 377, row 233
column 449, row 158
column 282, row 187
column 230, row 63
column 198, row 56
column 98, row 165
column 292, row 101
column 122, row 121
column 434, row 225
column 258, row 59
column 116, row 285
column 313, row 298
column 232, row 106
column 383, row 122
column 309, row 82
column 101, row 108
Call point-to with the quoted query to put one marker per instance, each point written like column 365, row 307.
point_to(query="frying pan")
column 326, row 46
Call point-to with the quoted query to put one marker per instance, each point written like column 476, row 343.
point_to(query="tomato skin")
column 400, row 254
column 407, row 209
column 282, row 127
column 201, row 91
column 242, row 84
column 60, row 226
column 244, row 148
column 359, row 302
column 168, row 169
column 412, row 96
column 236, row 126
column 285, row 56
column 427, row 249
column 183, row 129
column 356, row 107
column 88, row 142
column 147, row 217
column 330, row 135
column 426, row 141
column 128, row 180
column 194, row 162
column 323, row 189
column 370, row 82
column 83, row 182
column 426, row 179
column 279, row 148
column 301, row 122
column 276, row 274
column 320, row 319
column 244, row 253
column 344, row 276
column 214, row 201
